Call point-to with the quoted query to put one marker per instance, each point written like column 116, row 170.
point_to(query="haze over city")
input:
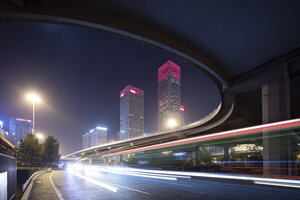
column 79, row 78
column 150, row 99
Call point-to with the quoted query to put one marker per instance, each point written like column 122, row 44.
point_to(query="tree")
column 51, row 150
column 30, row 151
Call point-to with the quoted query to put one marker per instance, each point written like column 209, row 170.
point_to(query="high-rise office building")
column 94, row 137
column 181, row 108
column 98, row 136
column 86, row 140
column 169, row 96
column 18, row 129
column 2, row 131
column 131, row 113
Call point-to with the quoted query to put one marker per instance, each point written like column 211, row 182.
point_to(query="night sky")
column 79, row 74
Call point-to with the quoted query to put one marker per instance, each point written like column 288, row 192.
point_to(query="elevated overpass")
column 250, row 49
column 153, row 138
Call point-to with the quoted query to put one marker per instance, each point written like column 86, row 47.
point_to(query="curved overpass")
column 240, row 45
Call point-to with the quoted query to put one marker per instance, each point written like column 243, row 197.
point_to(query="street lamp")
column 34, row 99
column 39, row 136
column 171, row 123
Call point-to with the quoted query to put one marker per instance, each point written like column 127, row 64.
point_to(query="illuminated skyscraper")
column 18, row 129
column 94, row 137
column 2, row 131
column 169, row 95
column 181, row 108
column 86, row 141
column 131, row 113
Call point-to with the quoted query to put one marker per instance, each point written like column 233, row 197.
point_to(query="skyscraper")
column 169, row 96
column 86, row 140
column 181, row 108
column 94, row 137
column 131, row 113
column 2, row 131
column 18, row 129
column 98, row 136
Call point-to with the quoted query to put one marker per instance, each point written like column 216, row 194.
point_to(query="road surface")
column 59, row 185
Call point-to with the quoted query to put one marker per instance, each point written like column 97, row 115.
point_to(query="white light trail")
column 138, row 174
column 141, row 171
column 104, row 185
column 277, row 184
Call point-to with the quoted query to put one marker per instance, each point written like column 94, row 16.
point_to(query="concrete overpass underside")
column 250, row 49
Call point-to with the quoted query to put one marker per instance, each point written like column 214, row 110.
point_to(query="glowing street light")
column 34, row 99
column 39, row 136
column 171, row 123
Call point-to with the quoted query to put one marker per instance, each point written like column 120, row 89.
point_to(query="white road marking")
column 140, row 191
column 178, row 184
column 59, row 195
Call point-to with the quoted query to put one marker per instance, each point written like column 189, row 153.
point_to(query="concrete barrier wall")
column 8, row 171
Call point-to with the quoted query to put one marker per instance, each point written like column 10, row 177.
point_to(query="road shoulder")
column 42, row 188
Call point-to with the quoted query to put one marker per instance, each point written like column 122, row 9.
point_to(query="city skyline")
column 79, row 89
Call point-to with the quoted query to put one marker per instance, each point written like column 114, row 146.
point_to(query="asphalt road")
column 88, row 184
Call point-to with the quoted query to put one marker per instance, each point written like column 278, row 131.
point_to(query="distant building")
column 98, row 136
column 131, row 113
column 94, row 137
column 2, row 131
column 86, row 141
column 119, row 135
column 18, row 129
column 169, row 96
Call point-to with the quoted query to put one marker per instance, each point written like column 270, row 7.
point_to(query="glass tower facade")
column 94, row 137
column 131, row 113
column 169, row 95
column 18, row 129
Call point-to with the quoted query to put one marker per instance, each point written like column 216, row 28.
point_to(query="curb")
column 29, row 183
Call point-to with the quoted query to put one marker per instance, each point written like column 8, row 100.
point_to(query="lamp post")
column 34, row 99
column 39, row 136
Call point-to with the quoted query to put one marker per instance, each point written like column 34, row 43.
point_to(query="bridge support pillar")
column 277, row 147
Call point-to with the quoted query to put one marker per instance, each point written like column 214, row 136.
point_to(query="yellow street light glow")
column 172, row 123
column 33, row 98
column 39, row 136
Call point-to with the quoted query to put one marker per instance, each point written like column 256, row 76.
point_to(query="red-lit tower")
column 131, row 113
column 169, row 94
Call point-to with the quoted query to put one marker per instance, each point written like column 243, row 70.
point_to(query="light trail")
column 278, row 182
column 103, row 185
column 138, row 174
column 258, row 161
column 224, row 134
column 141, row 171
